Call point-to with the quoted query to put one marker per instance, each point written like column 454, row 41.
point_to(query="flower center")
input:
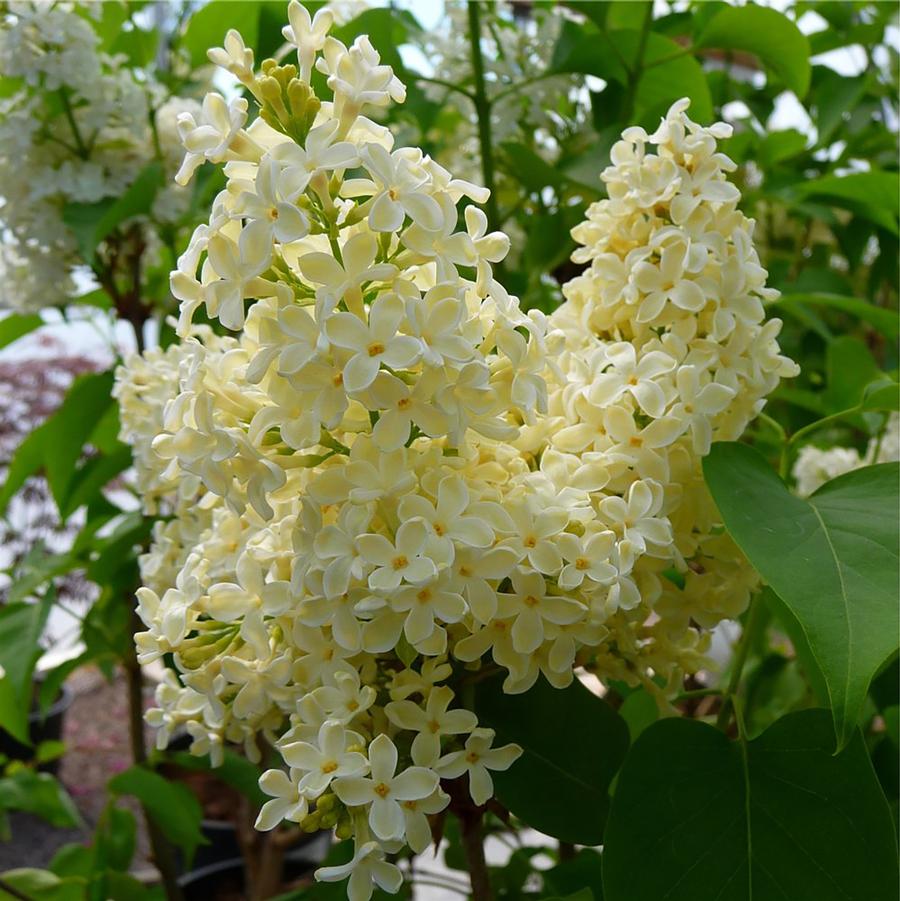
column 472, row 757
column 582, row 563
column 375, row 348
column 382, row 790
column 329, row 766
column 399, row 562
column 530, row 541
column 273, row 213
column 531, row 601
column 424, row 596
column 636, row 441
column 404, row 403
column 434, row 726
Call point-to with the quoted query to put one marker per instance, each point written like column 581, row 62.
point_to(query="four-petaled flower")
column 384, row 790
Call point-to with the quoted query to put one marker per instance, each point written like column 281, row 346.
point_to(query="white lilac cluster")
column 391, row 482
column 75, row 127
column 667, row 350
column 815, row 466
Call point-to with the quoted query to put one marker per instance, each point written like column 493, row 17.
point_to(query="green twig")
column 483, row 113
column 446, row 84
column 748, row 636
column 637, row 70
column 80, row 146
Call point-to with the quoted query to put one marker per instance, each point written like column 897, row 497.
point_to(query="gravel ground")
column 96, row 737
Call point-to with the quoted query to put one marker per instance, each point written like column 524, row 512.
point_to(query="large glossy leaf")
column 697, row 817
column 766, row 33
column 573, row 746
column 832, row 558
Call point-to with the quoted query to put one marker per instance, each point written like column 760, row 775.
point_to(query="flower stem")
column 473, row 846
column 163, row 855
column 483, row 112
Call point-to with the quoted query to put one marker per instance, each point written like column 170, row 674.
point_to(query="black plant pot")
column 41, row 727
column 225, row 880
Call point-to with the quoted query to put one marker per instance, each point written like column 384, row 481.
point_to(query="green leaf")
column 668, row 73
column 27, row 459
column 573, row 746
column 235, row 770
column 850, row 367
column 92, row 222
column 662, row 83
column 778, row 146
column 804, row 654
column 94, row 475
column 882, row 396
column 16, row 325
column 834, row 96
column 832, row 558
column 874, row 195
column 169, row 804
column 56, row 446
column 583, row 894
column 697, row 817
column 584, row 870
column 767, row 34
column 639, row 710
column 40, row 885
column 21, row 626
column 70, row 427
column 116, row 838
column 587, row 50
column 40, row 794
column 206, row 28
column 886, row 320
column 531, row 170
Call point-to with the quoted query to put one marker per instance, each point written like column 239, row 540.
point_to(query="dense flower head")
column 389, row 478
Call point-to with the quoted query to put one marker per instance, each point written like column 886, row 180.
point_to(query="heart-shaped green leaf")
column 697, row 817
column 832, row 558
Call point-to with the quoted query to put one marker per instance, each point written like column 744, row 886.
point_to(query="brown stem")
column 271, row 869
column 249, row 842
column 163, row 853
column 473, row 846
